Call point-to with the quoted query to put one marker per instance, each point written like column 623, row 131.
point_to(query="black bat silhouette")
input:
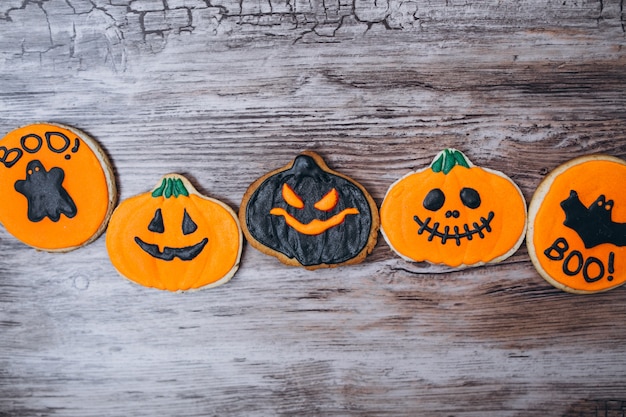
column 593, row 224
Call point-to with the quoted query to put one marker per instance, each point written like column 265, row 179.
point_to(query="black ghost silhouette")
column 45, row 193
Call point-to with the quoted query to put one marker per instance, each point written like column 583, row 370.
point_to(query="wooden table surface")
column 223, row 91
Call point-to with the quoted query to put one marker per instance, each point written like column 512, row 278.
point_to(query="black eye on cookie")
column 435, row 199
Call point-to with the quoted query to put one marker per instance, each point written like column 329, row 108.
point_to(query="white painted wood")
column 223, row 91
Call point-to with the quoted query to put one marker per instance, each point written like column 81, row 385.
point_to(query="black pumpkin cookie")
column 306, row 214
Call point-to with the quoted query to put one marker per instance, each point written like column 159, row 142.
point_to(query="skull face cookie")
column 454, row 213
column 58, row 187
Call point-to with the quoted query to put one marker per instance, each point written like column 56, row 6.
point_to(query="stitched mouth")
column 315, row 226
column 186, row 253
column 456, row 235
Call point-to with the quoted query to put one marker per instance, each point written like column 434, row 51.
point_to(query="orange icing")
column 589, row 179
column 214, row 265
column 291, row 197
column 315, row 226
column 84, row 180
column 499, row 195
column 328, row 202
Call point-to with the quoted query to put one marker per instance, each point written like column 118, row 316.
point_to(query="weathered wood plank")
column 224, row 91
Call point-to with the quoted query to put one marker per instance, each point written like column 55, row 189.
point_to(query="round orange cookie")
column 454, row 213
column 173, row 238
column 577, row 225
column 57, row 186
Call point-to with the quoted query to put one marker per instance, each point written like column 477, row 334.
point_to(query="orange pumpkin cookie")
column 173, row 238
column 577, row 225
column 57, row 186
column 306, row 214
column 454, row 213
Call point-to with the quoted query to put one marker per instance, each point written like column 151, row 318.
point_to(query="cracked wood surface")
column 224, row 91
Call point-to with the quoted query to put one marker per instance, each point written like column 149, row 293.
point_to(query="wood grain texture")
column 223, row 91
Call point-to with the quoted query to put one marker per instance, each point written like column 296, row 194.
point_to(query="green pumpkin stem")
column 448, row 159
column 171, row 187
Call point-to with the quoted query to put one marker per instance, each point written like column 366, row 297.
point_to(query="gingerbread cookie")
column 306, row 214
column 454, row 213
column 57, row 186
column 577, row 225
column 173, row 238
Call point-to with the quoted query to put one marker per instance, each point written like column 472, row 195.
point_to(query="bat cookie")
column 577, row 225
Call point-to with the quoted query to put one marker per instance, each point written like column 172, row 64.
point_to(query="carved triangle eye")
column 328, row 202
column 291, row 197
column 189, row 226
column 156, row 224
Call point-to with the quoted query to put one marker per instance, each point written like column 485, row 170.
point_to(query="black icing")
column 453, row 213
column 37, row 140
column 156, row 224
column 470, row 198
column 9, row 157
column 434, row 200
column 189, row 226
column 66, row 142
column 575, row 262
column 593, row 224
column 45, row 193
column 455, row 233
column 186, row 253
column 337, row 244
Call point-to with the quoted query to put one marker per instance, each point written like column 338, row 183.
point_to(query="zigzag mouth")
column 457, row 235
column 186, row 253
column 315, row 226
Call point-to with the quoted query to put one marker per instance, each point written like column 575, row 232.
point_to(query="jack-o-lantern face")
column 577, row 225
column 315, row 226
column 173, row 238
column 454, row 213
column 308, row 215
column 435, row 201
column 185, row 253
